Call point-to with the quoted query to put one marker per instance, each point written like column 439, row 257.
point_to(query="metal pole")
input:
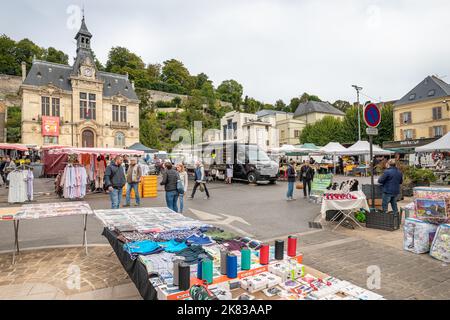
column 358, row 89
column 372, row 184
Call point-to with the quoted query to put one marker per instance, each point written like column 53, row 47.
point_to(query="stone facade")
column 94, row 109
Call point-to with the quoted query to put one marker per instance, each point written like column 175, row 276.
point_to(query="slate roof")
column 83, row 30
column 430, row 88
column 43, row 73
column 266, row 112
column 319, row 107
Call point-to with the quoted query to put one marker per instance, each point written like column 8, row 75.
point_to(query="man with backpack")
column 170, row 181
column 291, row 174
column 114, row 181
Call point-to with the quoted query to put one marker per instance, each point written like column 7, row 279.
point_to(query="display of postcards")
column 156, row 282
column 272, row 291
column 431, row 208
column 245, row 296
column 53, row 210
column 289, row 284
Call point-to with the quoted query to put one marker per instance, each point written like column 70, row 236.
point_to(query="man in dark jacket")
column 169, row 181
column 291, row 174
column 391, row 181
column 114, row 181
column 306, row 176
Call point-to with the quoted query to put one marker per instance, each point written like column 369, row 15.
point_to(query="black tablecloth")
column 135, row 268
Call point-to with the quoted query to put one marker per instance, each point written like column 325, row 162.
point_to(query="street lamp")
column 358, row 89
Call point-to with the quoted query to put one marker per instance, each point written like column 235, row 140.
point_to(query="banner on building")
column 50, row 126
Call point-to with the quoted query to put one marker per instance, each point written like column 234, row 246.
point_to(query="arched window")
column 119, row 139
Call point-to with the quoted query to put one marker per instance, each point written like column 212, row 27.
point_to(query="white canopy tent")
column 332, row 148
column 285, row 148
column 442, row 144
column 363, row 148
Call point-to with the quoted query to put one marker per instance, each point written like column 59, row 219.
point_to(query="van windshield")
column 256, row 154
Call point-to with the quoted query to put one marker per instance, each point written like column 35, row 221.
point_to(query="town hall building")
column 78, row 105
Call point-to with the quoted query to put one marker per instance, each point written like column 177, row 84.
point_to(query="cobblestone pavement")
column 404, row 275
column 52, row 274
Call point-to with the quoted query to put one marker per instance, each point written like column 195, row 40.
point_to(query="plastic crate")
column 377, row 219
column 330, row 214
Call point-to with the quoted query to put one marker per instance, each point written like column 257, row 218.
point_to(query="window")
column 87, row 106
column 283, row 134
column 45, row 101
column 50, row 140
column 409, row 134
column 115, row 113
column 297, row 133
column 406, row 117
column 119, row 139
column 412, row 96
column 55, row 107
column 438, row 131
column 431, row 93
column 123, row 114
column 437, row 113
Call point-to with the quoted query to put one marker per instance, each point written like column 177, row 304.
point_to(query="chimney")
column 24, row 71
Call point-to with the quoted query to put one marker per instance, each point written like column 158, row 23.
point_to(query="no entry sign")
column 372, row 115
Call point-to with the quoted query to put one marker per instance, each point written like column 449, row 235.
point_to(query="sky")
column 275, row 49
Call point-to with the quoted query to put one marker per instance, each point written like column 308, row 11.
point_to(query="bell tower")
column 83, row 37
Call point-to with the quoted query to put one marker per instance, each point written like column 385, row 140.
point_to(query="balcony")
column 119, row 125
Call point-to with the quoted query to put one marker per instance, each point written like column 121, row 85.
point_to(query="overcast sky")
column 275, row 49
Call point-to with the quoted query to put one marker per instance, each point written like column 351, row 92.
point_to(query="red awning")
column 10, row 146
column 98, row 151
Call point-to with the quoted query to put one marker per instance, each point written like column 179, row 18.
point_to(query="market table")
column 135, row 269
column 345, row 206
column 50, row 210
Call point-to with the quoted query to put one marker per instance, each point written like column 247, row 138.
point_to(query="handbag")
column 299, row 186
column 180, row 185
column 202, row 187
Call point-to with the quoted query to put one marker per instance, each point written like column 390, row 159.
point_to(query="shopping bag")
column 202, row 187
column 299, row 186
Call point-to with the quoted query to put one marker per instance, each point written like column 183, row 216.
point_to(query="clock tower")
column 84, row 62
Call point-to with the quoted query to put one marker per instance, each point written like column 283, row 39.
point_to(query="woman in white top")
column 185, row 180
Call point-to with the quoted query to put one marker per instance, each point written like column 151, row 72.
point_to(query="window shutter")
column 414, row 133
column 444, row 130
column 401, row 119
column 402, row 135
column 431, row 132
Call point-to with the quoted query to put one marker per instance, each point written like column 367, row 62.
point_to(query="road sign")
column 372, row 115
column 372, row 131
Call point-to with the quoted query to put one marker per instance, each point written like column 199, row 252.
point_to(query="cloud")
column 276, row 49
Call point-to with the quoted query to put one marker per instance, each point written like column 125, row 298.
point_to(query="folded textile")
column 418, row 235
column 173, row 246
column 440, row 248
column 142, row 248
column 219, row 235
column 199, row 240
column 191, row 254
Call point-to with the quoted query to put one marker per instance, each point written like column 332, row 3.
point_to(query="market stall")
column 42, row 211
column 332, row 149
column 172, row 257
column 84, row 169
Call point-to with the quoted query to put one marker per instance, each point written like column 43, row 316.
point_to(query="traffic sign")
column 372, row 131
column 372, row 115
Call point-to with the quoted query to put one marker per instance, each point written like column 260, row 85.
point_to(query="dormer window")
column 39, row 75
column 61, row 79
column 431, row 93
column 412, row 96
column 49, row 69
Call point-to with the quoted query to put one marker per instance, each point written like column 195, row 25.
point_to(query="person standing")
column 291, row 174
column 200, row 179
column 306, row 176
column 169, row 181
column 391, row 180
column 114, row 181
column 229, row 179
column 126, row 163
column 134, row 175
column 185, row 181
column 9, row 167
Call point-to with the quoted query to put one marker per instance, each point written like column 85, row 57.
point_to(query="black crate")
column 330, row 214
column 377, row 219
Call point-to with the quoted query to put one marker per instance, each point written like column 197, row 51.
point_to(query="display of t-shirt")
column 20, row 186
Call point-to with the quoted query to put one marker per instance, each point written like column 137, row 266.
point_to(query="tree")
column 154, row 72
column 174, row 72
column 307, row 97
column 293, row 105
column 150, row 129
column 231, row 91
column 342, row 105
column 386, row 127
column 328, row 129
column 55, row 56
column 13, row 125
column 280, row 105
column 25, row 50
column 122, row 61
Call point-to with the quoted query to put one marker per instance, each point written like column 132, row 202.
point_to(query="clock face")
column 88, row 72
